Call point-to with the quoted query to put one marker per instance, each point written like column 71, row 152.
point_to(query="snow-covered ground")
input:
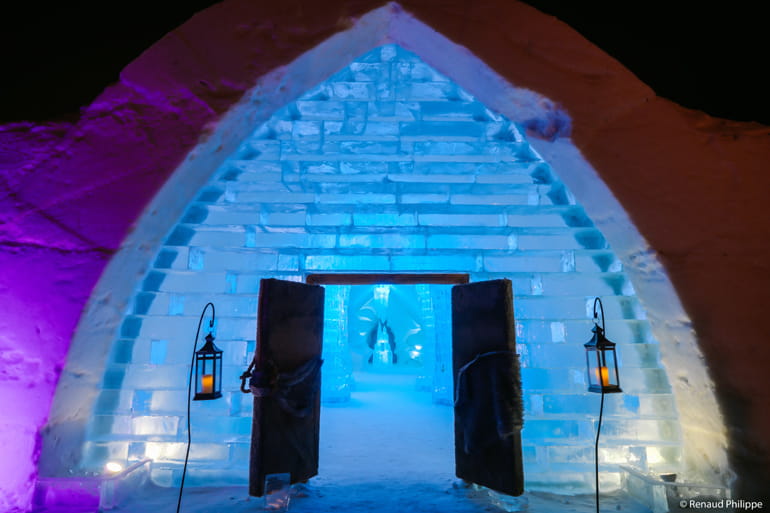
column 388, row 450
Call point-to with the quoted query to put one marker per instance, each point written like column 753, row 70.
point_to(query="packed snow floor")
column 389, row 449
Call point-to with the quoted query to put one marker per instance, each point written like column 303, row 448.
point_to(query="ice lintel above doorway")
column 390, row 278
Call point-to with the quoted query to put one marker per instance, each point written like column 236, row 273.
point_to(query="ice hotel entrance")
column 488, row 410
column 388, row 166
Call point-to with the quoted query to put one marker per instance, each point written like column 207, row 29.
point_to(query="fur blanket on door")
column 488, row 399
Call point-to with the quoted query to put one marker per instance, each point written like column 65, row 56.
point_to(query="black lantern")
column 601, row 360
column 208, row 371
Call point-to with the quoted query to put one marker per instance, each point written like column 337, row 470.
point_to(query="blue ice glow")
column 386, row 329
column 386, row 167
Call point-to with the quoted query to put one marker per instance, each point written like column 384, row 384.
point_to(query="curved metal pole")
column 596, row 451
column 598, row 301
column 189, row 387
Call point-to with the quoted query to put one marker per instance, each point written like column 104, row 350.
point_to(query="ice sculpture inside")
column 388, row 166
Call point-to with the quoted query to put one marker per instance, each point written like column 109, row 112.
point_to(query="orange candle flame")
column 603, row 376
column 207, row 384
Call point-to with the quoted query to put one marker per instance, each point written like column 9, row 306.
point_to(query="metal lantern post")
column 603, row 376
column 206, row 366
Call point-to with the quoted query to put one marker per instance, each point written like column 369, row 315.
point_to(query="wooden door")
column 286, row 382
column 488, row 400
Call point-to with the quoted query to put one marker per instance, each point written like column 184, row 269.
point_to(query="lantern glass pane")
column 196, row 376
column 593, row 362
column 610, row 364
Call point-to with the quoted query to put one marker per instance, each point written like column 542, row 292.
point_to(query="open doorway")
column 387, row 382
column 487, row 415
column 387, row 377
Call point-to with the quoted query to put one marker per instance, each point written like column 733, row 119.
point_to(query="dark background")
column 57, row 57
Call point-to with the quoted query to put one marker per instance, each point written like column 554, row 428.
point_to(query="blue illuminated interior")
column 387, row 329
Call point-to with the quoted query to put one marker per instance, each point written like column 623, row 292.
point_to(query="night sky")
column 57, row 57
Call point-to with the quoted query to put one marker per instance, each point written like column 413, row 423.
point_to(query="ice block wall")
column 386, row 167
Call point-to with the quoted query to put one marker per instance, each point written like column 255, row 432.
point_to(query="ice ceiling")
column 388, row 166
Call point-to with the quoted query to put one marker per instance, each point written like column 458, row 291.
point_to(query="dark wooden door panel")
column 286, row 382
column 488, row 402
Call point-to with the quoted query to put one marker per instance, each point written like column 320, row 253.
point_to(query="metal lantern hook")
column 598, row 301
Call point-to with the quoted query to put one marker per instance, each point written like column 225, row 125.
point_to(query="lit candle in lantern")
column 603, row 375
column 207, row 383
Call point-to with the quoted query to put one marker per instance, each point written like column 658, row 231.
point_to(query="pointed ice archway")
column 548, row 130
